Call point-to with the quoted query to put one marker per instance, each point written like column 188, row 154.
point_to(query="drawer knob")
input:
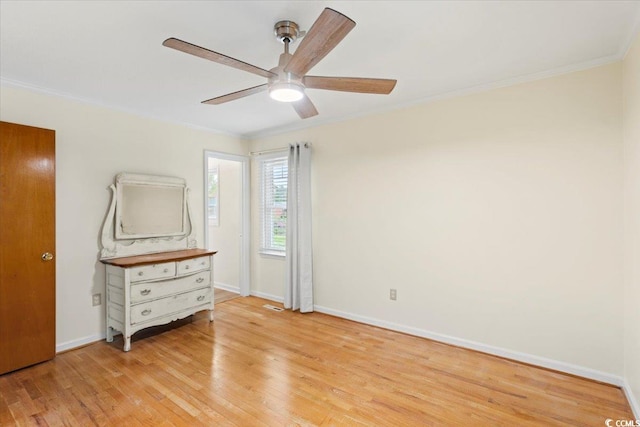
column 186, row 267
column 166, row 270
column 201, row 297
column 202, row 263
column 140, row 273
column 146, row 312
column 145, row 292
column 200, row 280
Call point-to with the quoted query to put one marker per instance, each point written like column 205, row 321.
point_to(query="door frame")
column 245, row 228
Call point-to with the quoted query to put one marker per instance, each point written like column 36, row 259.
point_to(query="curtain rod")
column 274, row 150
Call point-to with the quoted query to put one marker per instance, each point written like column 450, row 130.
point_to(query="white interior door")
column 227, row 219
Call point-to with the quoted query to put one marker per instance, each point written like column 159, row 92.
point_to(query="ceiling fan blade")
column 305, row 108
column 350, row 84
column 325, row 34
column 235, row 95
column 192, row 49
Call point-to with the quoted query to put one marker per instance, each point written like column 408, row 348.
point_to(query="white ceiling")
column 111, row 53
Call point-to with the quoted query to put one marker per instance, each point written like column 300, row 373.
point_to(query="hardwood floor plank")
column 257, row 367
column 220, row 295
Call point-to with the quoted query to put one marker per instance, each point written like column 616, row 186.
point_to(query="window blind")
column 274, row 174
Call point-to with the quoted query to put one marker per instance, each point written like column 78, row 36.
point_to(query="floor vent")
column 272, row 307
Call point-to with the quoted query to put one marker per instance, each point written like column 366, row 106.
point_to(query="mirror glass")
column 147, row 210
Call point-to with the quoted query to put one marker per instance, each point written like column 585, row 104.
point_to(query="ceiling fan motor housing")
column 284, row 86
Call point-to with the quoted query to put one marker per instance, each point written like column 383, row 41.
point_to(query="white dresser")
column 154, row 289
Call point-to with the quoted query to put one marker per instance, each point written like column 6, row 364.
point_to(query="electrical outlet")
column 97, row 299
column 393, row 294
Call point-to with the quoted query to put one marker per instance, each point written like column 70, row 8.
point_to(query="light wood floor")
column 220, row 295
column 254, row 367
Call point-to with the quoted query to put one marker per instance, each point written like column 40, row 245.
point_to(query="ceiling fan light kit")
column 288, row 81
column 283, row 86
column 286, row 91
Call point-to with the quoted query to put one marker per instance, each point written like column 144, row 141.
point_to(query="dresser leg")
column 127, row 343
column 109, row 334
column 210, row 315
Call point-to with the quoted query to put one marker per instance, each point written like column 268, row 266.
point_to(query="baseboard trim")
column 633, row 402
column 80, row 342
column 484, row 348
column 267, row 296
column 226, row 287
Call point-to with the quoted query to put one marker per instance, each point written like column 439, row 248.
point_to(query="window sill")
column 273, row 254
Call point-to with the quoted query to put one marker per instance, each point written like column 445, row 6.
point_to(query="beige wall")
column 496, row 216
column 93, row 144
column 631, row 118
column 225, row 238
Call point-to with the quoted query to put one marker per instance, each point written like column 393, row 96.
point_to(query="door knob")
column 47, row 256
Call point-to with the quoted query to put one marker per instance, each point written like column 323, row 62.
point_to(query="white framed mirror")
column 148, row 213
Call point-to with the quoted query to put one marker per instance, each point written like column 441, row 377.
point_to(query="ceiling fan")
column 288, row 81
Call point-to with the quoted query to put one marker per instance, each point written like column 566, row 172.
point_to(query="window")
column 213, row 192
column 273, row 172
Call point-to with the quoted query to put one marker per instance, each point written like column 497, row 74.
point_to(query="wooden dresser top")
column 146, row 259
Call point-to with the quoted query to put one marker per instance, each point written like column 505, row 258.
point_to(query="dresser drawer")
column 190, row 265
column 146, row 291
column 155, row 271
column 165, row 306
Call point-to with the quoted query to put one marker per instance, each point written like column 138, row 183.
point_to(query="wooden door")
column 27, row 245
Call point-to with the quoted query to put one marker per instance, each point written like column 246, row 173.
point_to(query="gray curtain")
column 298, row 293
